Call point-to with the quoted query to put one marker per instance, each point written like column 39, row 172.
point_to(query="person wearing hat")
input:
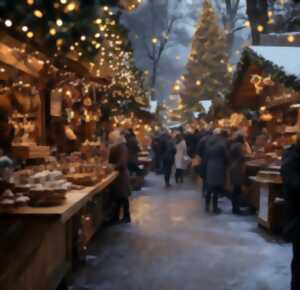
column 290, row 172
column 120, row 188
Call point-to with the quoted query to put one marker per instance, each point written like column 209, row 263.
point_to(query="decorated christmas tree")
column 208, row 72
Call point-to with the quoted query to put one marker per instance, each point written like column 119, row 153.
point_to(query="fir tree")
column 207, row 74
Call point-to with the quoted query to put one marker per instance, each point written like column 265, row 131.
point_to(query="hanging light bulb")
column 24, row 28
column 59, row 22
column 52, row 31
column 247, row 23
column 70, row 7
column 260, row 28
column 38, row 13
column 30, row 34
column 154, row 40
column 8, row 23
column 291, row 38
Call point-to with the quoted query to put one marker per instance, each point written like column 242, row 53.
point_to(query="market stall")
column 60, row 92
column 267, row 90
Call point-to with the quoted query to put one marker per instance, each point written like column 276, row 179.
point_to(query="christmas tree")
column 207, row 74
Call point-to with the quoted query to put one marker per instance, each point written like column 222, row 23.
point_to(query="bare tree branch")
column 147, row 49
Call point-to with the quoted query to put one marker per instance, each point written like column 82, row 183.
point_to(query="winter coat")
column 237, row 164
column 118, row 156
column 216, row 161
column 133, row 149
column 169, row 152
column 181, row 155
column 290, row 172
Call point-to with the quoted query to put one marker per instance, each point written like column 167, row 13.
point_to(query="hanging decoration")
column 260, row 82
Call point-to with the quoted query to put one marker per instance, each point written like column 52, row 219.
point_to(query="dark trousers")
column 296, row 265
column 237, row 190
column 167, row 173
column 157, row 163
column 179, row 175
column 212, row 192
column 204, row 187
column 122, row 203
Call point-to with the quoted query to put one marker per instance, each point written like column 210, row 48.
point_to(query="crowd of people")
column 220, row 155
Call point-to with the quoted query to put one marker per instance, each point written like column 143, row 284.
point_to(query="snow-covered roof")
column 286, row 57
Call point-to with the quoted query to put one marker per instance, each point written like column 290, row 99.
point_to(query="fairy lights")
column 8, row 23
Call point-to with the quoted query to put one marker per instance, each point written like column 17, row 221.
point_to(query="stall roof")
column 286, row 58
column 281, row 63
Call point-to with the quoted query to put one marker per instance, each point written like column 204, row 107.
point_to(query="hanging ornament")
column 260, row 82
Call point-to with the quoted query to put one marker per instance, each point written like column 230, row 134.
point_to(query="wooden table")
column 37, row 244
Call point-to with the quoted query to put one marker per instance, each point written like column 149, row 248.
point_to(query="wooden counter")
column 39, row 246
column 76, row 199
column 270, row 215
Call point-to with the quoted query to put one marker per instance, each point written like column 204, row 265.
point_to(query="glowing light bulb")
column 247, row 23
column 70, row 7
column 177, row 88
column 8, row 23
column 59, row 22
column 260, row 28
column 24, row 28
column 154, row 40
column 30, row 34
column 83, row 37
column 38, row 13
column 52, row 31
column 291, row 38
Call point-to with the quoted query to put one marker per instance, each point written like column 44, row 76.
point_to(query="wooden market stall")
column 267, row 86
column 39, row 244
column 43, row 231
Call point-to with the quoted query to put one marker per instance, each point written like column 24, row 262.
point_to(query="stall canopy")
column 266, row 74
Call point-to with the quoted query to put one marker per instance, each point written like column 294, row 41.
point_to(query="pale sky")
column 174, row 59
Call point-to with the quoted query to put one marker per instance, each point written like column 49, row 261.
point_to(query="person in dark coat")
column 155, row 146
column 168, row 156
column 290, row 172
column 215, row 169
column 133, row 153
column 201, row 152
column 237, row 171
column 120, row 188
